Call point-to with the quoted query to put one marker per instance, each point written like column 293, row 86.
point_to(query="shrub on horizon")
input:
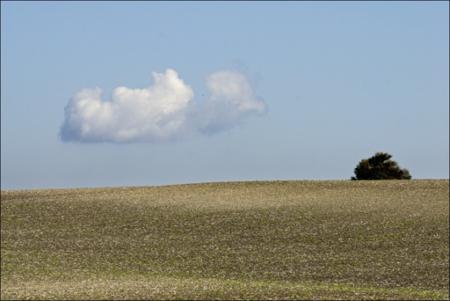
column 380, row 167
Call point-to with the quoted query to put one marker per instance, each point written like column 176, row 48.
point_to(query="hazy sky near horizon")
column 215, row 91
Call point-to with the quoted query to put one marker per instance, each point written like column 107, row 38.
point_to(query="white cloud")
column 160, row 112
column 231, row 100
column 233, row 88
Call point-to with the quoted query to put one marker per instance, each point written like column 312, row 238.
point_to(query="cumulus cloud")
column 161, row 112
column 231, row 100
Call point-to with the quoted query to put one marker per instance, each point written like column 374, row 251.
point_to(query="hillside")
column 253, row 240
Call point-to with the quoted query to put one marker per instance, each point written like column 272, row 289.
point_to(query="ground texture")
column 244, row 240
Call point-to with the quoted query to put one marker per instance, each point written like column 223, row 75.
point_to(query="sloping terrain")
column 252, row 240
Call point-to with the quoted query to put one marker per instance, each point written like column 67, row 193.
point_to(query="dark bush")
column 380, row 167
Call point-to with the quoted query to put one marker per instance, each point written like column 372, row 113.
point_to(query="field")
column 237, row 240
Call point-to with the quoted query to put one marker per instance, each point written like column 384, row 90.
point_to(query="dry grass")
column 247, row 240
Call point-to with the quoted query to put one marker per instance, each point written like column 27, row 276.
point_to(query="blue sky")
column 328, row 84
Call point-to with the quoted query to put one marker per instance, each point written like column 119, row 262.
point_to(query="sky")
column 97, row 94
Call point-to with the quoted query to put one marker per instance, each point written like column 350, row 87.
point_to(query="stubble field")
column 236, row 240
